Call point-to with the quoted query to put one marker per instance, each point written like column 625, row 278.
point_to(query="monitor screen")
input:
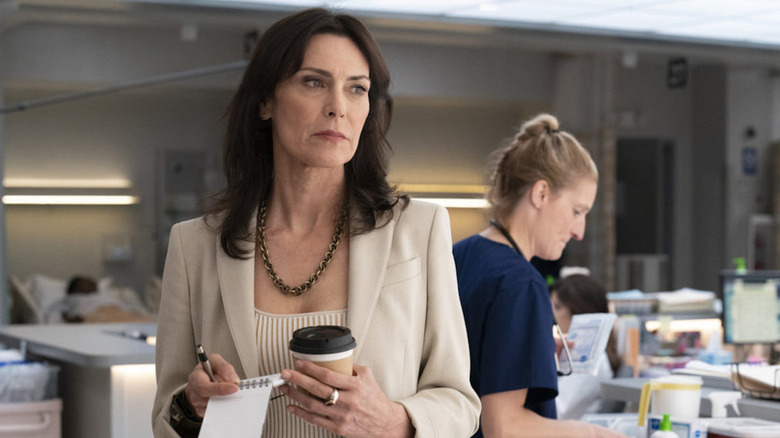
column 751, row 307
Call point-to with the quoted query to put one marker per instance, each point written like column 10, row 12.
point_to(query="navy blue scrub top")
column 506, row 304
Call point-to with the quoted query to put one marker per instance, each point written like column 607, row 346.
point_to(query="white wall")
column 449, row 141
column 90, row 55
column 749, row 94
column 454, row 106
column 708, row 144
column 117, row 135
column 775, row 115
column 583, row 101
column 111, row 136
column 479, row 73
column 450, row 113
column 652, row 110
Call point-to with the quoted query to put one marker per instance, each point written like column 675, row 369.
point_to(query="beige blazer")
column 403, row 310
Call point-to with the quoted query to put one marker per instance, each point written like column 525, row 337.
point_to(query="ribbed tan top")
column 273, row 336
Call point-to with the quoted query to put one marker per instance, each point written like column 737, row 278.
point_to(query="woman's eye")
column 312, row 82
column 359, row 90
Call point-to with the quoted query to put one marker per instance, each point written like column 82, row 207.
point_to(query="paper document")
column 686, row 300
column 590, row 333
column 241, row 414
column 715, row 376
column 700, row 368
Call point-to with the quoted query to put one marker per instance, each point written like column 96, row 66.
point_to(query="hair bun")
column 542, row 123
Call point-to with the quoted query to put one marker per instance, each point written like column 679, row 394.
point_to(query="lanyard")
column 512, row 242
column 508, row 236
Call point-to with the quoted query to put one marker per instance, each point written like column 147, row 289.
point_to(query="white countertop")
column 629, row 389
column 97, row 345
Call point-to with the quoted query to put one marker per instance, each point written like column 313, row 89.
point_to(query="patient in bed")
column 85, row 303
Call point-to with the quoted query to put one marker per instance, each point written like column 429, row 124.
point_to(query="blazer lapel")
column 368, row 256
column 236, row 282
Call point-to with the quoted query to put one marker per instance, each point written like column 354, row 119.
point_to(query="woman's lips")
column 331, row 135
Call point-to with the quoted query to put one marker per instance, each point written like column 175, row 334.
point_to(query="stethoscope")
column 512, row 242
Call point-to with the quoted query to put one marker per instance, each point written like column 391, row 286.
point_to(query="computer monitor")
column 751, row 307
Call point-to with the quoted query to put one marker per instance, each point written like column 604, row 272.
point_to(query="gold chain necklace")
column 306, row 285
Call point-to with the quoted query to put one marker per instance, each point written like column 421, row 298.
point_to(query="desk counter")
column 96, row 345
column 629, row 390
column 106, row 379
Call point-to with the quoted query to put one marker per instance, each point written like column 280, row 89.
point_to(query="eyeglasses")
column 567, row 367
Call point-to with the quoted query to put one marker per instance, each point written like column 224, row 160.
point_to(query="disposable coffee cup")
column 328, row 346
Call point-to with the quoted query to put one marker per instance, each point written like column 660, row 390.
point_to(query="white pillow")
column 84, row 304
column 53, row 314
column 104, row 283
column 126, row 298
column 47, row 291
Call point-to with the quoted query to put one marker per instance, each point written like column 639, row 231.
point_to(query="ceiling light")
column 448, row 195
column 456, row 202
column 649, row 19
column 632, row 21
column 65, row 191
column 95, row 183
column 737, row 30
column 443, row 188
column 70, row 200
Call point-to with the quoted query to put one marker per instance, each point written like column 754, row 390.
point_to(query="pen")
column 204, row 362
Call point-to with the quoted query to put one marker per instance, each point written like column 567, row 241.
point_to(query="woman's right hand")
column 200, row 387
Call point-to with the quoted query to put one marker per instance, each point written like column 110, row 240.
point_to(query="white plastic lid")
column 679, row 379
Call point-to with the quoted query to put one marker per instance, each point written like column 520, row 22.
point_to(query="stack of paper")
column 631, row 302
column 685, row 300
column 716, row 376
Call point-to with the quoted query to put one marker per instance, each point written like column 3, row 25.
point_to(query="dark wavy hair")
column 582, row 294
column 248, row 145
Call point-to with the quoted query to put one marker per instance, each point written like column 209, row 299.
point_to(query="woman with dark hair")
column 543, row 186
column 581, row 393
column 577, row 294
column 306, row 162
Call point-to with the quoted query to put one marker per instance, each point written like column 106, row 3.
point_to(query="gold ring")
column 334, row 397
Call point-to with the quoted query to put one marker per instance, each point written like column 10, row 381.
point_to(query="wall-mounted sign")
column 677, row 73
column 749, row 160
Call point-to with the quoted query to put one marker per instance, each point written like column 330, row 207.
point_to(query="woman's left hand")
column 362, row 409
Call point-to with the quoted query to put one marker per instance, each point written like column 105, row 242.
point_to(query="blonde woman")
column 542, row 188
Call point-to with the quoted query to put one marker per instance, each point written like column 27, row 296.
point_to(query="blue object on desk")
column 721, row 357
column 631, row 294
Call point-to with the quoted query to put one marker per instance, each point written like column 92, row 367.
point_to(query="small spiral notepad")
column 241, row 414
